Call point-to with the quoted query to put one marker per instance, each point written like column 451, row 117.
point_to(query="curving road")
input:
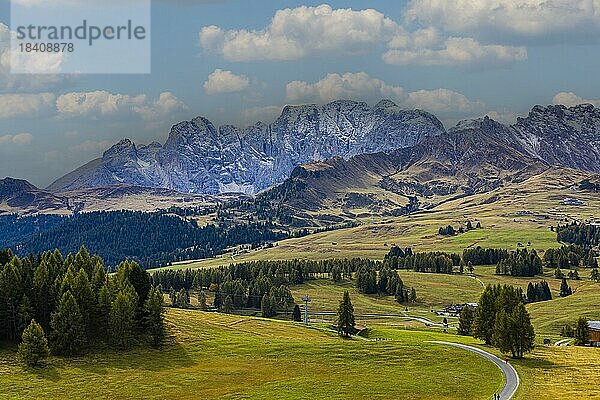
column 511, row 378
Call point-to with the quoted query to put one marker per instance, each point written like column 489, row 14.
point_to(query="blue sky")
column 240, row 61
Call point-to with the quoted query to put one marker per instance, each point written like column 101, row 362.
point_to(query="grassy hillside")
column 220, row 356
column 518, row 213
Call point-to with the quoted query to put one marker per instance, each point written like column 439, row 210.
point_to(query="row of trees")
column 521, row 263
column 570, row 257
column 500, row 320
column 539, row 291
column 585, row 235
column 386, row 282
column 433, row 262
column 76, row 303
column 451, row 231
column 480, row 256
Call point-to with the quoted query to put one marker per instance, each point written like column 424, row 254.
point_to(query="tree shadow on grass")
column 48, row 372
column 170, row 356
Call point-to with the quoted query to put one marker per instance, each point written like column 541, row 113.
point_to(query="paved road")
column 403, row 316
column 511, row 378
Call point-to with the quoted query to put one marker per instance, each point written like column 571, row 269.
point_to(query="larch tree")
column 67, row 335
column 154, row 320
column 345, row 316
column 33, row 349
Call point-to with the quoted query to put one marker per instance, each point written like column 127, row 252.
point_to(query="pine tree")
column 67, row 335
column 82, row 290
column 122, row 319
column 345, row 316
column 227, row 305
column 154, row 317
column 296, row 315
column 582, row 332
column 595, row 275
column 521, row 331
column 465, row 321
column 266, row 307
column 202, row 300
column 34, row 345
column 565, row 289
column 413, row 295
column 485, row 316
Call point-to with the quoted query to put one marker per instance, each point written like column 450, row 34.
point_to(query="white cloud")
column 360, row 86
column 265, row 114
column 570, row 99
column 451, row 51
column 101, row 104
column 221, row 81
column 514, row 21
column 323, row 31
column 20, row 139
column 26, row 105
column 41, row 69
column 303, row 31
column 443, row 101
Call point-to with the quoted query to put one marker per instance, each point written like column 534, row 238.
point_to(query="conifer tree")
column 296, row 315
column 67, row 335
column 565, row 289
column 582, row 332
column 485, row 316
column 33, row 349
column 154, row 317
column 266, row 307
column 202, row 300
column 522, row 335
column 465, row 321
column 345, row 316
column 227, row 305
column 122, row 319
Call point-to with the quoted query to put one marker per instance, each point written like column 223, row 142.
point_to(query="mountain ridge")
column 198, row 157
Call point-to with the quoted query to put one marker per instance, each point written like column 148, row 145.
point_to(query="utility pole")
column 306, row 300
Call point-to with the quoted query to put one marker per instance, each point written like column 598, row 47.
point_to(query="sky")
column 238, row 62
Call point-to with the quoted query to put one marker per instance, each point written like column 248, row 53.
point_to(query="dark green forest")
column 150, row 239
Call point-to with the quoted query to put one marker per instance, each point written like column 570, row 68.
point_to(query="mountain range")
column 344, row 155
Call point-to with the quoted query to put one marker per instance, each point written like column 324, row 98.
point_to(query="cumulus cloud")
column 323, row 31
column 443, row 101
column 452, row 51
column 102, row 104
column 20, row 139
column 570, row 99
column 303, row 31
column 361, row 86
column 221, row 81
column 26, row 105
column 40, row 71
column 515, row 21
column 358, row 86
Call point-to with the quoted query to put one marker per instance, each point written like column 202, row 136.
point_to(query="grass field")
column 513, row 214
column 220, row 356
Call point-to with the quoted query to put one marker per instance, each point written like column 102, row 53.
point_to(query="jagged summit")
column 198, row 157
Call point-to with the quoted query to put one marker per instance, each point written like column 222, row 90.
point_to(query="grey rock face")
column 201, row 158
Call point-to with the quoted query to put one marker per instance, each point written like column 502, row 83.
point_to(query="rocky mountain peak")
column 200, row 158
